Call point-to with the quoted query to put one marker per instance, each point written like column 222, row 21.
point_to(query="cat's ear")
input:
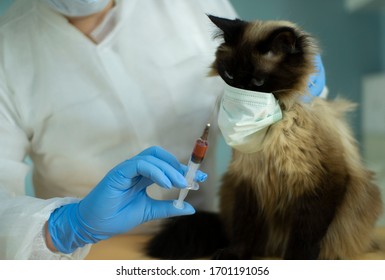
column 231, row 29
column 284, row 40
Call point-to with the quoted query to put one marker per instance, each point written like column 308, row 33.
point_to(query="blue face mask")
column 77, row 8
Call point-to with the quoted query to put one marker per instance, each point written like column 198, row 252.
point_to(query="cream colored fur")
column 290, row 164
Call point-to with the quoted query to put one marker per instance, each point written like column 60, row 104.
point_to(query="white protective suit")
column 77, row 108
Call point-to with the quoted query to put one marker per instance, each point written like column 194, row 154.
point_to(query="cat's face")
column 267, row 56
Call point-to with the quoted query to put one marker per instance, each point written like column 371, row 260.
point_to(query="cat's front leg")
column 312, row 215
column 248, row 235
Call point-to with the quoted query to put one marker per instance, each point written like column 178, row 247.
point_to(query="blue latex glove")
column 120, row 202
column 317, row 81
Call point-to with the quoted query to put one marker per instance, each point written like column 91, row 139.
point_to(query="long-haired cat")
column 305, row 194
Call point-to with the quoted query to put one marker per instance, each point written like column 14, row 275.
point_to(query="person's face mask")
column 244, row 117
column 77, row 8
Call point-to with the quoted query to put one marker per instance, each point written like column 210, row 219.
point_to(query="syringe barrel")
column 191, row 184
column 193, row 165
column 199, row 150
column 190, row 175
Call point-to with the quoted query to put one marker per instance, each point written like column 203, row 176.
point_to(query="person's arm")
column 85, row 24
column 48, row 239
column 21, row 217
column 119, row 202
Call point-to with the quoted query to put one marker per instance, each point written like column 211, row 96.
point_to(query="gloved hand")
column 120, row 202
column 317, row 81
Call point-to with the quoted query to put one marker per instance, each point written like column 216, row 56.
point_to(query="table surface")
column 130, row 247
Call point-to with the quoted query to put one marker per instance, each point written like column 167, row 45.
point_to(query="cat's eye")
column 228, row 75
column 257, row 82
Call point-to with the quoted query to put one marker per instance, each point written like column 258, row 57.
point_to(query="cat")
column 305, row 194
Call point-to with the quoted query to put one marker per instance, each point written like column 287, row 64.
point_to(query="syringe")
column 195, row 161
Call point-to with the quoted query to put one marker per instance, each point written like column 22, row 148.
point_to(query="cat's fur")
column 306, row 193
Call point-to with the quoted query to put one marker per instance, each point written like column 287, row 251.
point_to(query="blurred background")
column 351, row 35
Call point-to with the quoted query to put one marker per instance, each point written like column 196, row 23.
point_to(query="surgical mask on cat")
column 244, row 117
column 77, row 8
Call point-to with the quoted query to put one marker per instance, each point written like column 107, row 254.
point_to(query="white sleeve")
column 22, row 220
column 21, row 217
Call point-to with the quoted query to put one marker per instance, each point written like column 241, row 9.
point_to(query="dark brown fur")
column 305, row 194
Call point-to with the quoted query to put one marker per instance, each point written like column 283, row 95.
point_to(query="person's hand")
column 120, row 202
column 317, row 81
